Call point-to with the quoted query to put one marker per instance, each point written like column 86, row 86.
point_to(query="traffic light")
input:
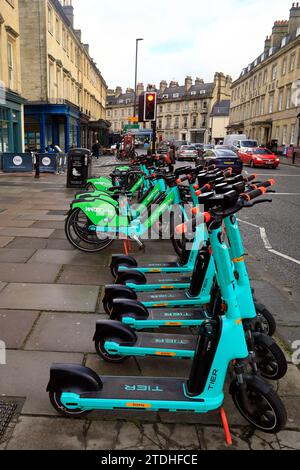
column 150, row 106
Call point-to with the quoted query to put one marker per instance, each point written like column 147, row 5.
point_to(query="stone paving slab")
column 26, row 374
column 33, row 273
column 57, row 244
column 26, row 232
column 15, row 326
column 47, row 434
column 75, row 258
column 45, row 217
column 58, row 234
column 15, row 255
column 63, row 332
column 8, row 222
column 57, row 298
column 24, row 242
column 2, row 285
column 48, row 224
column 91, row 275
column 4, row 241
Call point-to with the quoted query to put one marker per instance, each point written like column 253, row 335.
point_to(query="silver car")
column 187, row 152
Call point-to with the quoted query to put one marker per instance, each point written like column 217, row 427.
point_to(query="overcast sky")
column 191, row 37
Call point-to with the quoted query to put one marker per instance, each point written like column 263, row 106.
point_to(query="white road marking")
column 264, row 237
column 267, row 243
column 286, row 194
column 284, row 256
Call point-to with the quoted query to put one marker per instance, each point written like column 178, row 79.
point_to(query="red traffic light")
column 150, row 98
column 150, row 106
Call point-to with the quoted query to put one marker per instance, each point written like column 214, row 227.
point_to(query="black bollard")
column 37, row 166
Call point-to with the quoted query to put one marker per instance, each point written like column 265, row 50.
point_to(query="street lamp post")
column 136, row 65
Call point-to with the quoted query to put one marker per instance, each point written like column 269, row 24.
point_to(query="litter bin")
column 79, row 167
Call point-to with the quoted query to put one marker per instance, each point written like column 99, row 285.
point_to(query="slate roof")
column 221, row 108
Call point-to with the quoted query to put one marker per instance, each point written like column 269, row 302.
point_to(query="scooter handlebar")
column 253, row 194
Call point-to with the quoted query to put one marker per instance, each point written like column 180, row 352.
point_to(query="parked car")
column 187, row 152
column 240, row 142
column 260, row 157
column 223, row 158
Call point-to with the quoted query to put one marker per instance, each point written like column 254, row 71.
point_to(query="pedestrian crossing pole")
column 154, row 137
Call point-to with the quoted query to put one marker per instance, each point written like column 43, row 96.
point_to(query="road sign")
column 133, row 119
column 130, row 126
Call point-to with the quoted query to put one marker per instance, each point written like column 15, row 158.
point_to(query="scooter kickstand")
column 226, row 427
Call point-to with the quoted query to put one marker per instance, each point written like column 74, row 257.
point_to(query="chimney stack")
column 162, row 86
column 118, row 91
column 188, row 83
column 140, row 89
column 279, row 30
column 199, row 81
column 267, row 43
column 69, row 11
column 294, row 21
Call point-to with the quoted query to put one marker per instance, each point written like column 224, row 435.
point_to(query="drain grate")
column 7, row 410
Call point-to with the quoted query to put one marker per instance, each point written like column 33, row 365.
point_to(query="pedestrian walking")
column 293, row 153
column 96, row 149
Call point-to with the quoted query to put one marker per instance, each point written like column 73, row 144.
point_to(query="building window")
column 161, row 108
column 108, row 113
column 284, row 132
column 176, row 124
column 128, row 112
column 204, row 105
column 186, row 106
column 284, row 62
column 292, row 62
column 277, row 133
column 185, row 122
column 168, row 122
column 64, row 38
column 262, row 106
column 274, row 72
column 254, row 83
column 293, row 134
column 271, row 103
column 194, row 121
column 122, row 112
column 50, row 20
column 257, row 108
column 169, row 107
column 177, row 106
column 159, row 124
column 288, row 97
column 116, row 113
column 280, row 100
column 10, row 64
column 57, row 29
column 175, row 95
column 51, row 80
column 265, row 76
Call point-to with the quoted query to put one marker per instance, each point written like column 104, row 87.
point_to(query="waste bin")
column 79, row 167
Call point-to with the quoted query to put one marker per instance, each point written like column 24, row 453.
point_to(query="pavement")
column 50, row 299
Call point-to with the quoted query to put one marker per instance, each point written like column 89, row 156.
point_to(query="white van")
column 240, row 142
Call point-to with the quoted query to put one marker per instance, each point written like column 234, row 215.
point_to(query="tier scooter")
column 75, row 390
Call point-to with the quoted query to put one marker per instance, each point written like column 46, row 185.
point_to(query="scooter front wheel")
column 264, row 322
column 261, row 407
column 270, row 359
column 101, row 351
column 55, row 400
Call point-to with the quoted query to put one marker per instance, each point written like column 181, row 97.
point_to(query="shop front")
column 11, row 117
column 51, row 125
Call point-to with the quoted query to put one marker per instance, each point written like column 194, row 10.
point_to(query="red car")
column 260, row 157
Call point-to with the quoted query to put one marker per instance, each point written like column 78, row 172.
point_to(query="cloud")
column 196, row 37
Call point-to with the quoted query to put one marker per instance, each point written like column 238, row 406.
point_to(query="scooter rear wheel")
column 55, row 400
column 76, row 229
column 263, row 410
column 270, row 360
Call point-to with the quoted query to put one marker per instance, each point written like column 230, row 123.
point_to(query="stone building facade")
column 65, row 91
column 183, row 111
column 265, row 101
column 11, row 101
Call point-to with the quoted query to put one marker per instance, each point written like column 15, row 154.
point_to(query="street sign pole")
column 154, row 137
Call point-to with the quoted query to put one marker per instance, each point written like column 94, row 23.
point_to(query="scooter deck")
column 168, row 278
column 166, row 341
column 167, row 296
column 177, row 314
column 141, row 388
column 154, row 267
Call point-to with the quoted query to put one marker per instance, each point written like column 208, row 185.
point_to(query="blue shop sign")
column 17, row 162
column 48, row 162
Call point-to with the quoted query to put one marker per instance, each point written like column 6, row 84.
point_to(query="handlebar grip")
column 227, row 172
column 182, row 179
column 250, row 178
column 267, row 184
column 211, row 167
column 191, row 224
column 253, row 194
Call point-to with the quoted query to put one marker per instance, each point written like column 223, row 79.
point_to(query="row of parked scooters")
column 207, row 291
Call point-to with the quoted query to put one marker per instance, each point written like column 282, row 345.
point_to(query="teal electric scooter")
column 75, row 390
